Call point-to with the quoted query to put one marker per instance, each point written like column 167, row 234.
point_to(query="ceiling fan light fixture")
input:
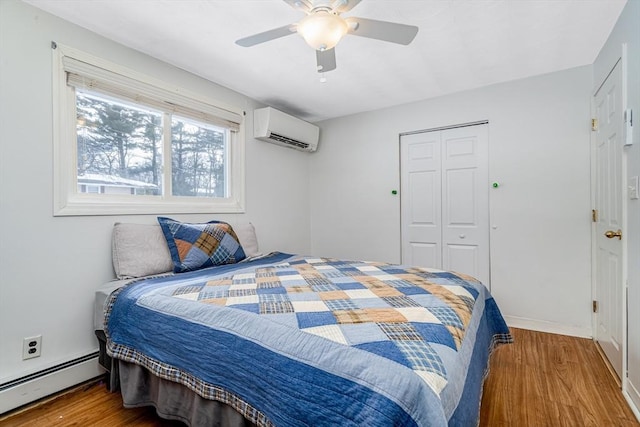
column 322, row 30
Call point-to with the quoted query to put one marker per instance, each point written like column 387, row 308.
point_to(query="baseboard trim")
column 632, row 395
column 37, row 386
column 549, row 327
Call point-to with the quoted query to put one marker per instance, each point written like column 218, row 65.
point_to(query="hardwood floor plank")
column 552, row 380
column 540, row 380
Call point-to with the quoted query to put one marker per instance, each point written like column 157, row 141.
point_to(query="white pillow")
column 247, row 235
column 141, row 249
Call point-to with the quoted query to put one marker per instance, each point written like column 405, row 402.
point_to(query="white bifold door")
column 445, row 200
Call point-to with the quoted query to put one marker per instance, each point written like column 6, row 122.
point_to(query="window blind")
column 82, row 75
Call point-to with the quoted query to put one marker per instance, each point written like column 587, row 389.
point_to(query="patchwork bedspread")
column 289, row 340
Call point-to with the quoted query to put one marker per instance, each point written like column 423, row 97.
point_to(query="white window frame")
column 67, row 201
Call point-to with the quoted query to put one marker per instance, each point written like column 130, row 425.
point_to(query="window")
column 127, row 144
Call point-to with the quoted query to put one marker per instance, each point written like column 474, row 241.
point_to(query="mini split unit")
column 274, row 126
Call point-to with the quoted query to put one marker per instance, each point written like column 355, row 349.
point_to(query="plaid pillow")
column 196, row 246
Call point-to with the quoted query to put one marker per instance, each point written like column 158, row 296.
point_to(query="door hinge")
column 594, row 215
column 594, row 306
column 594, row 125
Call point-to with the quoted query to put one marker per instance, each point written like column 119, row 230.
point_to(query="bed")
column 289, row 340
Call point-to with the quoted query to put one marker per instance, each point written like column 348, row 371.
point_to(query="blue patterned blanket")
column 293, row 341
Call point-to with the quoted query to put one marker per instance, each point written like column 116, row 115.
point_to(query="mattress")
column 101, row 300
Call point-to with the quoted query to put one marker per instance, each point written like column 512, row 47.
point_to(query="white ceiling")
column 461, row 44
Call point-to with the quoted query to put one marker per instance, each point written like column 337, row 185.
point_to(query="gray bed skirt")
column 173, row 401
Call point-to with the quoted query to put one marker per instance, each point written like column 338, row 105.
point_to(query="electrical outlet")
column 31, row 347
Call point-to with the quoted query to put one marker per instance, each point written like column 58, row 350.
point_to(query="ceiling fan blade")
column 382, row 30
column 303, row 5
column 344, row 5
column 266, row 36
column 326, row 60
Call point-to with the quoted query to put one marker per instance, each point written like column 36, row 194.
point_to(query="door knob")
column 611, row 234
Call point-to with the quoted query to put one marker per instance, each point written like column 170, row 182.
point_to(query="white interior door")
column 445, row 200
column 421, row 195
column 465, row 201
column 608, row 203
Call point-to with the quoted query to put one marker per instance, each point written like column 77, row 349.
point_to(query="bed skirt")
column 173, row 401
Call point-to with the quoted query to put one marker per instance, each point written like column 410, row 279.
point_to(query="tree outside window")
column 120, row 145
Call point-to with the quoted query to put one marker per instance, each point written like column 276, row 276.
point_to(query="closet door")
column 421, row 195
column 445, row 200
column 465, row 201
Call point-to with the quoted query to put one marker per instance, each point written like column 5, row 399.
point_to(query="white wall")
column 538, row 151
column 49, row 267
column 627, row 30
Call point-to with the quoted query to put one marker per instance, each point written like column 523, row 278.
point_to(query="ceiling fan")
column 323, row 27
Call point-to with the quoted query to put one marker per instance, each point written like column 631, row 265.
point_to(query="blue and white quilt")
column 299, row 341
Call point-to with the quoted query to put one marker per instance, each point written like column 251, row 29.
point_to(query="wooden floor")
column 540, row 380
column 552, row 380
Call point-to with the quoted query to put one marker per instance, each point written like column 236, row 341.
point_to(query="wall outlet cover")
column 31, row 347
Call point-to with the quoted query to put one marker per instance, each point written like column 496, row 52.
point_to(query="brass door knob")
column 611, row 234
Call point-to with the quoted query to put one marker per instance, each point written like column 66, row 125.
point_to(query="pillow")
column 139, row 250
column 196, row 246
column 247, row 236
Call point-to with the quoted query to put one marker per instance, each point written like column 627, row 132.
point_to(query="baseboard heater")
column 48, row 381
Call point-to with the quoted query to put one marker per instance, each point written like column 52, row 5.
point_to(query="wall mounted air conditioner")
column 274, row 126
